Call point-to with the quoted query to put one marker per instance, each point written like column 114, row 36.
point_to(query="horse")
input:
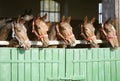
column 86, row 31
column 37, row 29
column 3, row 21
column 62, row 31
column 108, row 34
column 27, row 15
column 15, row 32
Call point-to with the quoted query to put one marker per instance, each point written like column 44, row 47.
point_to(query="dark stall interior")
column 77, row 9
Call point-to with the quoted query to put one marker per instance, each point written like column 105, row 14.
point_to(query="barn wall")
column 12, row 8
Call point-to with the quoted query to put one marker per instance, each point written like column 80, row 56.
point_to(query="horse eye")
column 38, row 27
column 19, row 30
column 63, row 28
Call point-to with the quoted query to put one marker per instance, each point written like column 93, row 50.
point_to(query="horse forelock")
column 65, row 24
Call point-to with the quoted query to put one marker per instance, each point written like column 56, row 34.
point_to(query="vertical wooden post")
column 117, row 14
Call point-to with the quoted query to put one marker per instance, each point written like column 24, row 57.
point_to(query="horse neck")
column 2, row 23
column 52, row 34
column 76, row 31
column 28, row 24
column 31, row 35
column 6, row 32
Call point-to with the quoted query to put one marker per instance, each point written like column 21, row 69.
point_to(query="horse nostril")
column 71, row 42
column 45, row 43
column 26, row 46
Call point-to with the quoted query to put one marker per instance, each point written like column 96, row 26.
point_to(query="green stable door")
column 59, row 64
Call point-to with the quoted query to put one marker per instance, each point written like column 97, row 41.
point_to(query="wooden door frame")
column 117, row 14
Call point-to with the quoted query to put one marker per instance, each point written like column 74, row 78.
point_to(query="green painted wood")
column 75, row 69
column 113, row 66
column 101, row 64
column 14, row 65
column 89, row 71
column 27, row 66
column 31, row 65
column 59, row 64
column 118, row 65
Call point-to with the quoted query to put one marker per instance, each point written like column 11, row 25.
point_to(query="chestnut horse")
column 108, row 33
column 62, row 31
column 37, row 29
column 15, row 30
column 86, row 31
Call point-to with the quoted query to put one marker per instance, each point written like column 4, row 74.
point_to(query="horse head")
column 109, row 31
column 27, row 15
column 88, row 31
column 64, row 31
column 20, row 33
column 40, row 28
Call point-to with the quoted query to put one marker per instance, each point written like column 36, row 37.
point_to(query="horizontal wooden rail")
column 51, row 42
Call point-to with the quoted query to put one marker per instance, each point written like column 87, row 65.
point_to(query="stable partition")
column 59, row 64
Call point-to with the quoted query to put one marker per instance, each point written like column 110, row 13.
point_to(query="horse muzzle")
column 26, row 44
column 71, row 40
column 45, row 41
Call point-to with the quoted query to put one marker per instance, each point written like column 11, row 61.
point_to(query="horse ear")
column 63, row 19
column 109, row 20
column 113, row 21
column 85, row 19
column 44, row 17
column 38, row 15
column 49, row 24
column 18, row 19
column 92, row 20
column 22, row 21
column 69, row 19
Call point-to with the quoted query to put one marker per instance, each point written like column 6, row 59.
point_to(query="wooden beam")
column 51, row 42
column 117, row 15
